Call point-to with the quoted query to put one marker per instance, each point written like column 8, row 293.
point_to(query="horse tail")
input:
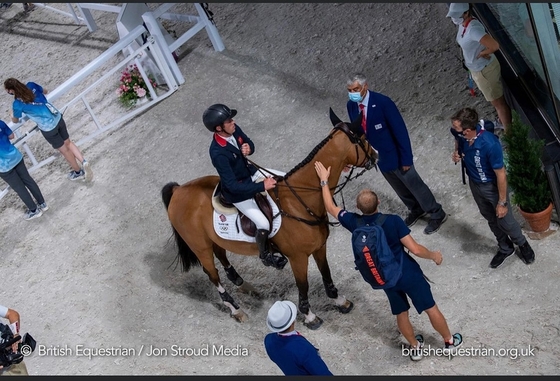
column 185, row 255
column 167, row 192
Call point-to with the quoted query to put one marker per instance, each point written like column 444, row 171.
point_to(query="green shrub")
column 525, row 175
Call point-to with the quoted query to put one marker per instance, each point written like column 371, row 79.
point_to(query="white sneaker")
column 87, row 169
column 44, row 207
column 416, row 353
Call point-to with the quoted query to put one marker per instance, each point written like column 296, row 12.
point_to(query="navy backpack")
column 373, row 256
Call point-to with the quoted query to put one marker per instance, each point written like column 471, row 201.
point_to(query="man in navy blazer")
column 228, row 149
column 387, row 133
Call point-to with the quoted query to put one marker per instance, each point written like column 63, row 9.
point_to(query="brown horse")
column 305, row 224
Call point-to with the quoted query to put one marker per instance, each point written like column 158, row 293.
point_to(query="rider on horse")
column 237, row 176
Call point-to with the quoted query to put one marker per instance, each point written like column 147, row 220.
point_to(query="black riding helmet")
column 217, row 114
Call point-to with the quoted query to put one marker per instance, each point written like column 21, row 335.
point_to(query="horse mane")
column 311, row 155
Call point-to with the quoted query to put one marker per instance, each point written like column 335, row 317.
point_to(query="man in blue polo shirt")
column 412, row 283
column 482, row 155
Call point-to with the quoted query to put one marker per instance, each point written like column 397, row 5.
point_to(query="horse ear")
column 356, row 125
column 334, row 119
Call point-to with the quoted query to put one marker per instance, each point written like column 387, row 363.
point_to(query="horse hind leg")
column 236, row 312
column 341, row 303
column 232, row 274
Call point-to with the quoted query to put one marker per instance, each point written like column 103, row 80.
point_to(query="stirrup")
column 275, row 261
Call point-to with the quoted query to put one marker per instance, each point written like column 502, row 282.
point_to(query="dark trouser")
column 20, row 181
column 505, row 229
column 413, row 192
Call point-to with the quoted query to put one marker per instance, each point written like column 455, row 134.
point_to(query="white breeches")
column 250, row 208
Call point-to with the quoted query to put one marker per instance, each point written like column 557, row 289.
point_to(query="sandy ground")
column 97, row 270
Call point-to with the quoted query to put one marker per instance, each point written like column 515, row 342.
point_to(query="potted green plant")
column 526, row 177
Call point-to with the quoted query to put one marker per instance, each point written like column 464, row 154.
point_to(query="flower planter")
column 132, row 90
column 540, row 221
column 141, row 101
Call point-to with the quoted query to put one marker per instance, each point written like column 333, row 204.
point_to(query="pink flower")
column 132, row 85
column 140, row 92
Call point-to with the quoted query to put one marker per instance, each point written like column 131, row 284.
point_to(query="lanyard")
column 477, row 135
column 465, row 27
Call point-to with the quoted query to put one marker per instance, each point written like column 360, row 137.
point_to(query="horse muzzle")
column 370, row 163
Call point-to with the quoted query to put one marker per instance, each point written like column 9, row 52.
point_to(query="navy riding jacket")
column 234, row 170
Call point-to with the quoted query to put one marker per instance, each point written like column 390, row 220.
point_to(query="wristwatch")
column 323, row 183
column 502, row 203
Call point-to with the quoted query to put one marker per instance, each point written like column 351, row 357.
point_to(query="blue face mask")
column 355, row 97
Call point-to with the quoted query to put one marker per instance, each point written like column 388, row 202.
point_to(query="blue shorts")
column 415, row 286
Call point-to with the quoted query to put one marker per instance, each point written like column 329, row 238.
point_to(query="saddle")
column 247, row 225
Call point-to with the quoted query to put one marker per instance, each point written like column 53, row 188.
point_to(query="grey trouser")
column 20, row 181
column 507, row 229
column 414, row 193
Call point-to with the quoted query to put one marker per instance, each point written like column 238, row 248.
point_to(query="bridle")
column 368, row 163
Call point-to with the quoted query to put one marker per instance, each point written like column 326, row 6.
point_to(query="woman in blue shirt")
column 29, row 99
column 14, row 172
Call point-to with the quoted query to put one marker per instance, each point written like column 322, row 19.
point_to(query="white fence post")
column 86, row 71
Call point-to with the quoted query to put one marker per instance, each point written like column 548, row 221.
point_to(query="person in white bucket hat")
column 292, row 352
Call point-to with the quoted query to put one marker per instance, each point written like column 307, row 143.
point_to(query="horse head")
column 356, row 134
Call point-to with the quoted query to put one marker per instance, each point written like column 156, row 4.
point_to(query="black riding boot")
column 267, row 258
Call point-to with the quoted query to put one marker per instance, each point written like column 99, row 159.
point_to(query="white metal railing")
column 136, row 56
column 71, row 13
column 202, row 22
column 160, row 52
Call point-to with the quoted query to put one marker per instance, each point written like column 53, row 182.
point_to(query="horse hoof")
column 315, row 324
column 347, row 307
column 240, row 316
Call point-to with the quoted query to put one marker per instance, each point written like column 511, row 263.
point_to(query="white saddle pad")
column 228, row 225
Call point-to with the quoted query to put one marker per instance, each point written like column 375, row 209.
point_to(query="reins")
column 318, row 220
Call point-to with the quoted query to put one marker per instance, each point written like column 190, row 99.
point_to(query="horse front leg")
column 342, row 304
column 299, row 267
